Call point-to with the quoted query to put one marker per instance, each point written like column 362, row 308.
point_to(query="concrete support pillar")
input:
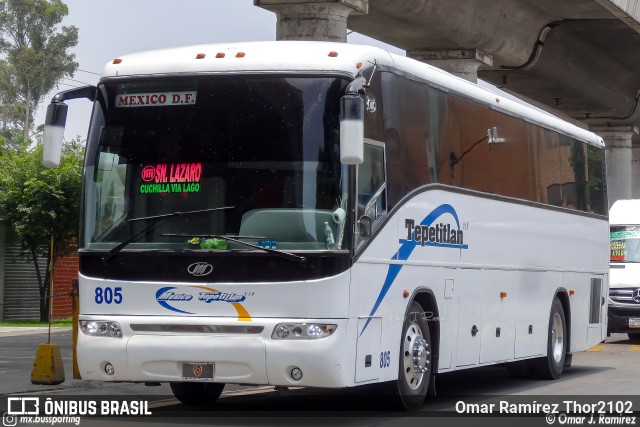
column 617, row 141
column 635, row 171
column 313, row 20
column 463, row 63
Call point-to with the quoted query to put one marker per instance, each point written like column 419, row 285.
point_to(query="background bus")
column 624, row 291
column 329, row 215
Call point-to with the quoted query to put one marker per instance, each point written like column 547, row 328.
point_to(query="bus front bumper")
column 623, row 318
column 239, row 358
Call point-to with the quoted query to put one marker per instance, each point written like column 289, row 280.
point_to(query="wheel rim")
column 557, row 337
column 416, row 358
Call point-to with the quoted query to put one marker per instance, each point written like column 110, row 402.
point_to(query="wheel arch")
column 563, row 295
column 427, row 300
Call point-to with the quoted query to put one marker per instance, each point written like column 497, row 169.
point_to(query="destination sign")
column 160, row 99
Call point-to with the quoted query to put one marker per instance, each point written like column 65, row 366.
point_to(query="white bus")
column 624, row 279
column 328, row 215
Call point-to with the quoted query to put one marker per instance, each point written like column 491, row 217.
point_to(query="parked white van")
column 624, row 277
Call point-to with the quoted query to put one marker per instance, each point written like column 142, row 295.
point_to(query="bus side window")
column 372, row 195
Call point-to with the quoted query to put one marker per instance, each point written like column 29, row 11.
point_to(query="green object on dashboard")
column 214, row 244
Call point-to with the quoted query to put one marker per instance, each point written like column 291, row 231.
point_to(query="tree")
column 40, row 204
column 35, row 58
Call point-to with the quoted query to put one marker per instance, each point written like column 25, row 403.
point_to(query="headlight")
column 101, row 328
column 302, row 331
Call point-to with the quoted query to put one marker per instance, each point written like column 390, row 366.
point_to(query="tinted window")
column 264, row 148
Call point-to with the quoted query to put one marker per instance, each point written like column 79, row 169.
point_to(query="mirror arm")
column 88, row 92
column 356, row 86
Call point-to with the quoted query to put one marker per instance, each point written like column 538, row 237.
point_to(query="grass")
column 61, row 322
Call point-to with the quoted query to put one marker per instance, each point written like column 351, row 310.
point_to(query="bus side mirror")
column 351, row 129
column 55, row 121
column 54, row 133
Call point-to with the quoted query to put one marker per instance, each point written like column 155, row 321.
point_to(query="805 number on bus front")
column 108, row 295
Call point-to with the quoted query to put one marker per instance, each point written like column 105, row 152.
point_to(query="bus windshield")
column 264, row 148
column 625, row 243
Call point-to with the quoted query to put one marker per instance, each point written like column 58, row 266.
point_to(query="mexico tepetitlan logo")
column 434, row 235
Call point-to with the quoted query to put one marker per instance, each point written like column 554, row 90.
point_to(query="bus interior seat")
column 302, row 227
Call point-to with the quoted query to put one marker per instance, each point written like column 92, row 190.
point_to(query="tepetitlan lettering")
column 208, row 297
column 439, row 233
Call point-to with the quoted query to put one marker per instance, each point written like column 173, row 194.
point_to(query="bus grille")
column 625, row 295
column 197, row 329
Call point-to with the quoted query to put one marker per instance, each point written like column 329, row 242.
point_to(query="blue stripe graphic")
column 406, row 248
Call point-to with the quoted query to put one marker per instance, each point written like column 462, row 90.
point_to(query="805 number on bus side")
column 385, row 359
column 108, row 295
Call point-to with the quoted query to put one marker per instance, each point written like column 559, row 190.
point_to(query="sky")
column 112, row 28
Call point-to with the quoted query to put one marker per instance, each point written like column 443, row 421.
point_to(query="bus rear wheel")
column 197, row 394
column 414, row 372
column 551, row 366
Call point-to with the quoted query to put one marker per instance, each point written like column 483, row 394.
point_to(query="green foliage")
column 35, row 59
column 64, row 323
column 40, row 203
column 36, row 201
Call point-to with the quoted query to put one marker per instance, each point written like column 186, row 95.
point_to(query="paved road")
column 609, row 369
column 18, row 347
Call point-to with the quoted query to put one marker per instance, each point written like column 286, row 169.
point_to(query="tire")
column 414, row 371
column 197, row 394
column 634, row 336
column 551, row 366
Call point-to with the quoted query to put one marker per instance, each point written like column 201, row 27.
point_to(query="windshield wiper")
column 155, row 220
column 234, row 239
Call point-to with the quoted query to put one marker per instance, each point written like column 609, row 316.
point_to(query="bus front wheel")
column 414, row 372
column 197, row 394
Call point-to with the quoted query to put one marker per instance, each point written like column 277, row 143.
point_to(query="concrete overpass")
column 580, row 58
